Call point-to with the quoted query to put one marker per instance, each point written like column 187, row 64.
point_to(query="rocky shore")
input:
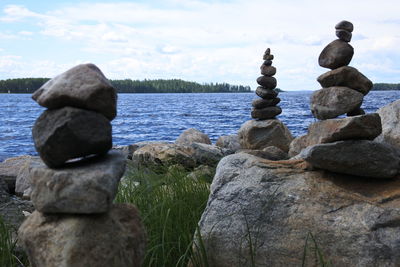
column 275, row 200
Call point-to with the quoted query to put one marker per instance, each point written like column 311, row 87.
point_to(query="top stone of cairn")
column 344, row 25
column 84, row 86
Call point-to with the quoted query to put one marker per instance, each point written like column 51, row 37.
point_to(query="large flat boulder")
column 263, row 213
column 355, row 157
column 84, row 86
column 365, row 127
column 336, row 54
column 390, row 116
column 112, row 239
column 348, row 77
column 254, row 134
column 328, row 103
column 191, row 136
column 68, row 133
column 80, row 188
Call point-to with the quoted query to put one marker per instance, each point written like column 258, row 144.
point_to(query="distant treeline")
column 29, row 85
column 386, row 86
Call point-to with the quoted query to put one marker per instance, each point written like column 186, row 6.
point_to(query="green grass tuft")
column 9, row 256
column 171, row 205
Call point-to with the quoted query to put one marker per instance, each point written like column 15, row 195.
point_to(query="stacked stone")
column 265, row 108
column 344, row 145
column 75, row 222
column 344, row 87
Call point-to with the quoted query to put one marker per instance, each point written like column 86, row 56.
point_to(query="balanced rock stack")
column 344, row 87
column 344, row 145
column 265, row 108
column 75, row 222
column 265, row 130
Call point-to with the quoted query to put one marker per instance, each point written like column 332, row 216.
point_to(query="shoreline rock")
column 278, row 204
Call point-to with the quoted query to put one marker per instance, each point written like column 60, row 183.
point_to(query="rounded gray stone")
column 266, row 93
column 84, row 86
column 336, row 54
column 266, row 113
column 68, row 133
column 346, row 76
column 268, row 70
column 267, row 82
column 345, row 25
column 344, row 35
column 263, row 103
column 328, row 103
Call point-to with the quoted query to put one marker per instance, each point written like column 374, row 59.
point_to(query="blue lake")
column 152, row 117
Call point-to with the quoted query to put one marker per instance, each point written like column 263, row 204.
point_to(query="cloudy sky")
column 203, row 41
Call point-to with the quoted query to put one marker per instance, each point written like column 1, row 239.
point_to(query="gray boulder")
column 208, row 154
column 262, row 213
column 159, row 154
column 348, row 77
column 328, row 103
column 390, row 116
column 113, row 239
column 81, row 188
column 297, row 145
column 336, row 54
column 23, row 181
column 260, row 134
column 84, row 86
column 68, row 133
column 230, row 142
column 190, row 136
column 9, row 170
column 266, row 113
column 355, row 157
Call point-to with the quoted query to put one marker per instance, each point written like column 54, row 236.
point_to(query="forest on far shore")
column 386, row 86
column 29, row 85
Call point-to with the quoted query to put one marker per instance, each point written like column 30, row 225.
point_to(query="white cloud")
column 216, row 41
column 25, row 33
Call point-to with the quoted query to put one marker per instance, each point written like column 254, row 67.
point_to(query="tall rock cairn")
column 264, row 130
column 344, row 145
column 344, row 87
column 75, row 222
column 266, row 107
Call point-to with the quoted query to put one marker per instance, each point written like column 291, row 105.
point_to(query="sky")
column 201, row 41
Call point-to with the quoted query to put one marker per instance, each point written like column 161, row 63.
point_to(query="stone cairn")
column 76, row 222
column 344, row 87
column 265, row 132
column 344, row 145
column 265, row 108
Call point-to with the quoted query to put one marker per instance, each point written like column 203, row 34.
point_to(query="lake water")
column 153, row 117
